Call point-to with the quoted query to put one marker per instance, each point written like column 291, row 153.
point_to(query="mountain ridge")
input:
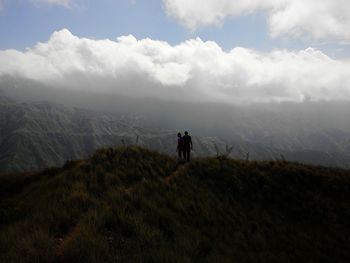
column 36, row 135
column 132, row 204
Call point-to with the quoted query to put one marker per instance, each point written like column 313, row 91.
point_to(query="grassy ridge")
column 134, row 205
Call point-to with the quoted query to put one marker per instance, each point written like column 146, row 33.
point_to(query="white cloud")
column 192, row 70
column 2, row 4
column 321, row 19
column 65, row 3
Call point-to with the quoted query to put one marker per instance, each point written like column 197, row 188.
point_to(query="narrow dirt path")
column 176, row 173
column 62, row 242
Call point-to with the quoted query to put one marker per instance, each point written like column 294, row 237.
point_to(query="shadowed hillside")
column 36, row 135
column 135, row 205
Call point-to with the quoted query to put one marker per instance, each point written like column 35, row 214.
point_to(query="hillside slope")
column 310, row 132
column 135, row 205
column 34, row 136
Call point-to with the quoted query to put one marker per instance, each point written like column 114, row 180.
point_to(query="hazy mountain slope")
column 36, row 135
column 40, row 135
column 133, row 205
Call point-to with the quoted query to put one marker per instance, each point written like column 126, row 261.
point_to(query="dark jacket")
column 187, row 142
column 180, row 143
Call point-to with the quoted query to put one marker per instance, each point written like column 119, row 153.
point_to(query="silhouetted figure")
column 187, row 146
column 180, row 145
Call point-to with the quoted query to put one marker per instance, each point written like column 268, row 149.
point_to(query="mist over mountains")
column 193, row 70
column 43, row 127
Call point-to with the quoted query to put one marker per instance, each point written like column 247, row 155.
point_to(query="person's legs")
column 180, row 154
column 187, row 155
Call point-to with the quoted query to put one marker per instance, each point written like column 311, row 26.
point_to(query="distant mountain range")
column 38, row 135
column 35, row 135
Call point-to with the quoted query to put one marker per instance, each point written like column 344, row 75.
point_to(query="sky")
column 214, row 50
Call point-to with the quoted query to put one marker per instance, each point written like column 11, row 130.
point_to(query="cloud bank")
column 192, row 70
column 321, row 19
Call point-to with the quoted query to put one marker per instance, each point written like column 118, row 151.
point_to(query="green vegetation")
column 134, row 205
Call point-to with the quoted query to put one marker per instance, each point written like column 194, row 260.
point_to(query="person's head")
column 179, row 135
column 186, row 132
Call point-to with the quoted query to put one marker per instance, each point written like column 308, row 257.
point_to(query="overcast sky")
column 212, row 50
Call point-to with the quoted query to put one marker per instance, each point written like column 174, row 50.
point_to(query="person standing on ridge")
column 180, row 145
column 187, row 146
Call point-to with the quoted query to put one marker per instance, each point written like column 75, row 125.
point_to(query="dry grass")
column 135, row 205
